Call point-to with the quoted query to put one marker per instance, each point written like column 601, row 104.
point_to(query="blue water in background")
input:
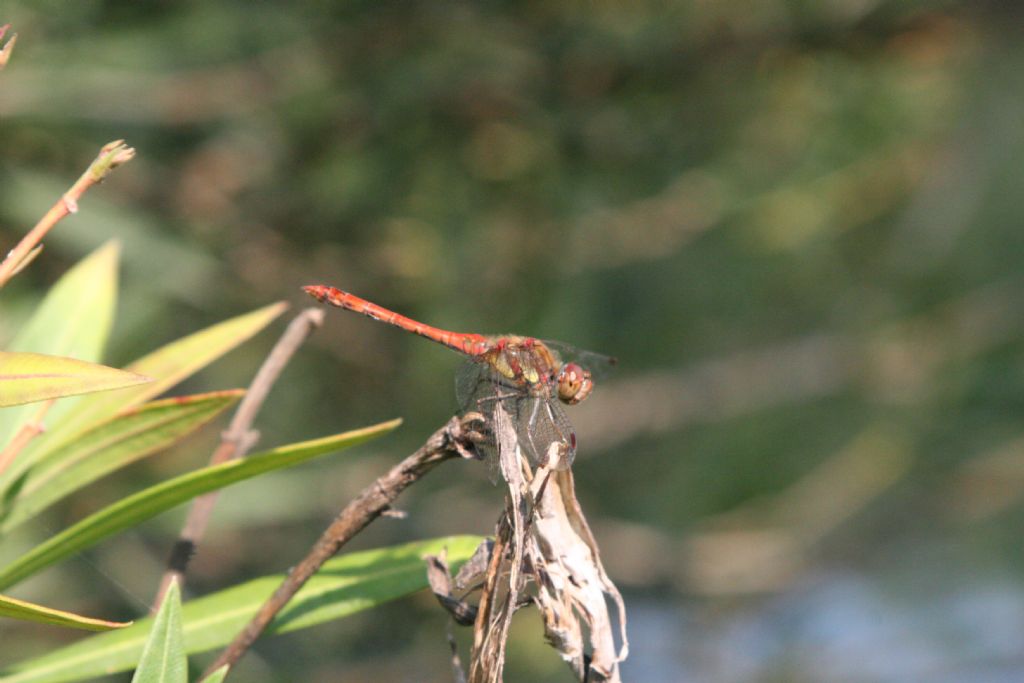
column 835, row 627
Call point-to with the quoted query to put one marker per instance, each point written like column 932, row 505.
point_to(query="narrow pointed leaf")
column 163, row 656
column 168, row 366
column 28, row 611
column 134, row 509
column 109, row 446
column 73, row 320
column 31, row 377
column 217, row 676
column 345, row 585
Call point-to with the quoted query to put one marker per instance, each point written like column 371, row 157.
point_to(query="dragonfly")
column 526, row 375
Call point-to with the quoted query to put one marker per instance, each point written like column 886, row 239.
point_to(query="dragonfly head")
column 574, row 383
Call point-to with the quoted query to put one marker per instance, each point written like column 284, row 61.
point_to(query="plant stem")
column 111, row 155
column 236, row 442
column 449, row 442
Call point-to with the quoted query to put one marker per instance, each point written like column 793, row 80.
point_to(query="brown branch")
column 236, row 442
column 112, row 155
column 449, row 442
column 28, row 431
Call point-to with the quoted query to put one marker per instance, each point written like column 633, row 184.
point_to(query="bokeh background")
column 796, row 224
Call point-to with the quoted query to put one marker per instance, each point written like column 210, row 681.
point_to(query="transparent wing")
column 600, row 365
column 477, row 384
column 478, row 387
column 545, row 433
column 472, row 380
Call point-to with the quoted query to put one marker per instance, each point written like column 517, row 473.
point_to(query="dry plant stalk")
column 543, row 539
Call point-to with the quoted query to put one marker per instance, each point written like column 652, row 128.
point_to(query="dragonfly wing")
column 471, row 381
column 545, row 433
column 600, row 365
column 477, row 388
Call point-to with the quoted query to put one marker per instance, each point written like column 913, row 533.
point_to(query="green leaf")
column 150, row 502
column 73, row 320
column 168, row 366
column 27, row 611
column 345, row 585
column 109, row 446
column 31, row 377
column 217, row 676
column 163, row 657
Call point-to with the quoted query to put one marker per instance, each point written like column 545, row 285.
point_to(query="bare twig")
column 449, row 442
column 458, row 671
column 8, row 48
column 112, row 155
column 28, row 431
column 487, row 660
column 440, row 578
column 504, row 580
column 236, row 442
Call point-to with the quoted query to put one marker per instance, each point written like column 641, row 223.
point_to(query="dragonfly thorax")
column 530, row 363
column 525, row 361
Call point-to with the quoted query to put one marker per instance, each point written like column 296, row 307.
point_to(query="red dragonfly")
column 526, row 374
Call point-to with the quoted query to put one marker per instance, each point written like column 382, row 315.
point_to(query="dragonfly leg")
column 496, row 397
column 469, row 432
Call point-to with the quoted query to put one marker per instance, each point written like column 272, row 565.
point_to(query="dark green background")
column 796, row 224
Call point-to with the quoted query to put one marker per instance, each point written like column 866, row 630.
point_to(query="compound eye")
column 574, row 383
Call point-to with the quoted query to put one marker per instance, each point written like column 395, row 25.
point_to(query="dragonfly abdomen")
column 468, row 343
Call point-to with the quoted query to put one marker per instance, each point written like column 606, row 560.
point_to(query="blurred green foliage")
column 796, row 224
